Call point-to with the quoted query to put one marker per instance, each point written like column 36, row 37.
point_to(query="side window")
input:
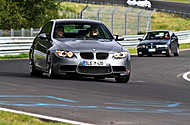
column 47, row 28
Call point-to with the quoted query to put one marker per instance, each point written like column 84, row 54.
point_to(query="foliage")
column 26, row 13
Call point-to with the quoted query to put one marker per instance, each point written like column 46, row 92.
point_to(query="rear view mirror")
column 117, row 38
column 140, row 39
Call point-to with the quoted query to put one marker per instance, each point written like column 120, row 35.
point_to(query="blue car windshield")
column 78, row 30
column 157, row 36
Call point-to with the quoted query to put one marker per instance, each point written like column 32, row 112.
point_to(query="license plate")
column 93, row 63
column 152, row 50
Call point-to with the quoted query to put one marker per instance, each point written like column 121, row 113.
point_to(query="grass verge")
column 7, row 118
column 168, row 21
column 22, row 55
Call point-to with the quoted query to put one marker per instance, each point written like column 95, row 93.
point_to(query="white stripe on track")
column 45, row 117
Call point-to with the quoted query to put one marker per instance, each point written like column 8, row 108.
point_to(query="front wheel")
column 51, row 73
column 122, row 79
column 169, row 52
column 177, row 52
column 33, row 71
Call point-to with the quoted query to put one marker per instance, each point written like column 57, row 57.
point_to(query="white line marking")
column 45, row 117
column 185, row 76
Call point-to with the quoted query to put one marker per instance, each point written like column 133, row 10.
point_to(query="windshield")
column 78, row 30
column 157, row 36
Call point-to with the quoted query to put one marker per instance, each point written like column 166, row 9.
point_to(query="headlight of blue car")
column 162, row 46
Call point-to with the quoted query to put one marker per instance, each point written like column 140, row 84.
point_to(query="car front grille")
column 151, row 46
column 90, row 55
column 102, row 55
column 94, row 69
column 87, row 55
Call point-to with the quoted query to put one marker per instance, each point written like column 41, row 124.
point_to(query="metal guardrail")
column 17, row 45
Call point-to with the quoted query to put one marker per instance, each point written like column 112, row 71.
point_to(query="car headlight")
column 162, row 46
column 68, row 54
column 120, row 55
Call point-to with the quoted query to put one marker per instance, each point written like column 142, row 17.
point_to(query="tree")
column 18, row 14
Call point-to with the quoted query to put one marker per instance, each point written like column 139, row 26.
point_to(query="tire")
column 50, row 73
column 33, row 71
column 122, row 79
column 169, row 54
column 177, row 52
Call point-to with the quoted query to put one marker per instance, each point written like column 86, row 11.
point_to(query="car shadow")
column 71, row 78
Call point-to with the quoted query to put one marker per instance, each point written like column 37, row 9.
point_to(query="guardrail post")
column 31, row 31
column 149, row 21
column 1, row 33
column 98, row 12
column 112, row 19
column 138, row 20
column 126, row 13
column 81, row 12
column 12, row 32
column 22, row 32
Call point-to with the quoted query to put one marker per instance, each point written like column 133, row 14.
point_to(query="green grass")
column 181, row 47
column 184, row 46
column 22, row 55
column 167, row 21
column 7, row 118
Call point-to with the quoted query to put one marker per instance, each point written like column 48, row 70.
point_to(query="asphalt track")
column 172, row 6
column 156, row 94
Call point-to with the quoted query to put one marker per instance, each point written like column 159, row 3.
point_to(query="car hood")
column 154, row 42
column 88, row 45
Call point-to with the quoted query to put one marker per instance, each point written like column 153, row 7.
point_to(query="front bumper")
column 154, row 51
column 112, row 67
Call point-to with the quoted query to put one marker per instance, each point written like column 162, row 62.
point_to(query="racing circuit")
column 156, row 93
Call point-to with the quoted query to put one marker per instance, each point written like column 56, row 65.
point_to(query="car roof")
column 169, row 31
column 77, row 20
column 160, row 31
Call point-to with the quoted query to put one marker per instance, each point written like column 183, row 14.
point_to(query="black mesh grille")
column 102, row 55
column 87, row 55
column 153, row 46
column 94, row 69
column 68, row 68
column 118, row 68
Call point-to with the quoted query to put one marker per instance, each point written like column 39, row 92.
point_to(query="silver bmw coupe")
column 79, row 47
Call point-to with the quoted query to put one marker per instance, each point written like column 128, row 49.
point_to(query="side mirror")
column 117, row 38
column 43, row 36
column 140, row 39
